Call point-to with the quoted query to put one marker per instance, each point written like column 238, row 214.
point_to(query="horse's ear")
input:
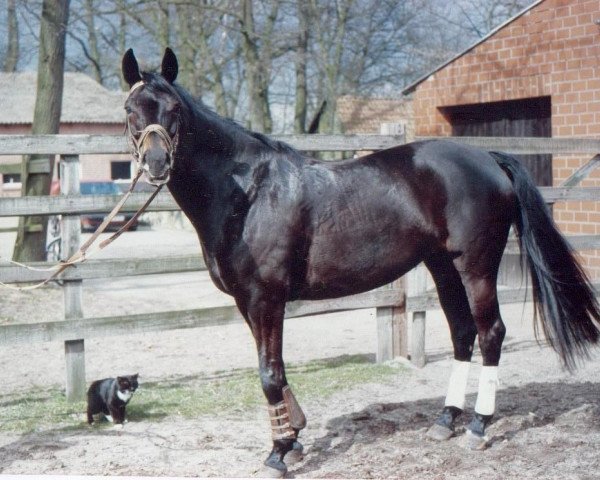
column 170, row 66
column 130, row 68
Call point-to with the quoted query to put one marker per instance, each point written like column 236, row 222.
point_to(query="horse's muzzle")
column 156, row 164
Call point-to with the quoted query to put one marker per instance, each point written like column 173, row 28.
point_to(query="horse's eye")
column 127, row 110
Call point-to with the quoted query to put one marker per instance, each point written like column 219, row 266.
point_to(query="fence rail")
column 391, row 302
column 116, row 144
column 530, row 145
column 86, row 204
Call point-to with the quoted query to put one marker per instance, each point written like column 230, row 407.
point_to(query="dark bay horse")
column 276, row 226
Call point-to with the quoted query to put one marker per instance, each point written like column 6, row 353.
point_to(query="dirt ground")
column 547, row 423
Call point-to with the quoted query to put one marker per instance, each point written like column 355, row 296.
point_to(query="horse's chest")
column 220, row 274
column 229, row 271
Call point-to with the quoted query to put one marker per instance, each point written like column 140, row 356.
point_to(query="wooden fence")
column 392, row 302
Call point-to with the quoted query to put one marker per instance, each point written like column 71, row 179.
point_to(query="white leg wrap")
column 486, row 396
column 457, row 385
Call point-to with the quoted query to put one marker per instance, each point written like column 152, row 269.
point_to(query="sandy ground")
column 547, row 423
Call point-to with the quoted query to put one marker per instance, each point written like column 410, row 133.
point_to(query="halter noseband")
column 137, row 145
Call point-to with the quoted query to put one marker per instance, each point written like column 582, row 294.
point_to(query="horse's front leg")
column 286, row 416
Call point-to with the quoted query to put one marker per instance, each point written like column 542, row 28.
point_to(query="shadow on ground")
column 532, row 405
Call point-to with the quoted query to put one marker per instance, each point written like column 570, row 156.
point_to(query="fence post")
column 71, row 239
column 392, row 328
column 417, row 282
column 392, row 325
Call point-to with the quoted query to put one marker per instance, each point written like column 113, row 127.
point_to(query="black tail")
column 564, row 299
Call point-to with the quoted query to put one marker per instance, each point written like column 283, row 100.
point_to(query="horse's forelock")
column 157, row 82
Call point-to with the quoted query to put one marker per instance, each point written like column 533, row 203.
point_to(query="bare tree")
column 330, row 21
column 203, row 73
column 12, row 48
column 301, row 58
column 358, row 47
column 259, row 60
column 31, row 235
column 258, row 54
column 94, row 51
column 479, row 18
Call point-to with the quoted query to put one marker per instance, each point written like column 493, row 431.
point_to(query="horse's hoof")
column 295, row 455
column 439, row 432
column 473, row 441
column 270, row 472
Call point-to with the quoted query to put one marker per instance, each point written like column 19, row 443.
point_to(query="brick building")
column 538, row 74
column 88, row 108
column 367, row 115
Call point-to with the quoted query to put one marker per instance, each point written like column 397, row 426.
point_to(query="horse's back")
column 372, row 219
column 473, row 165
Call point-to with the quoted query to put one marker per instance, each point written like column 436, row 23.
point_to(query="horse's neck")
column 203, row 185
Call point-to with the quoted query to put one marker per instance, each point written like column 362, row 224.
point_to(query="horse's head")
column 152, row 109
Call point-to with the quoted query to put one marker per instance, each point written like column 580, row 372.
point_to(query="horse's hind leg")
column 483, row 299
column 455, row 304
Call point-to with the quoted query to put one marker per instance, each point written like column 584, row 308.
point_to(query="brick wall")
column 366, row 115
column 551, row 50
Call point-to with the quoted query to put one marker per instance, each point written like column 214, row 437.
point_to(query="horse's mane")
column 198, row 109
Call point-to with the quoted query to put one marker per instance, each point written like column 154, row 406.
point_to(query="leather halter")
column 137, row 145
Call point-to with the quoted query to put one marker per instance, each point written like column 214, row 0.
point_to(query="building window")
column 10, row 182
column 120, row 170
column 11, row 178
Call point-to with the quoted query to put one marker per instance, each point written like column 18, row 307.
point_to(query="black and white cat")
column 109, row 397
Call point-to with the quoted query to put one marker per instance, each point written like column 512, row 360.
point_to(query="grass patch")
column 221, row 394
column 38, row 409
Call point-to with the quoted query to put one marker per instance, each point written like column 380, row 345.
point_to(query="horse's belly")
column 344, row 267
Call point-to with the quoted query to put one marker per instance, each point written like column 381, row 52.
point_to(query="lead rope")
column 83, row 254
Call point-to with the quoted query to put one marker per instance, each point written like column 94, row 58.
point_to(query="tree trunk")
column 94, row 52
column 31, row 236
column 122, row 38
column 164, row 29
column 251, row 59
column 301, row 56
column 185, row 19
column 12, row 47
column 258, row 66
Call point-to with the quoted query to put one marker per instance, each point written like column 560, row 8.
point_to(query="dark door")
column 529, row 117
